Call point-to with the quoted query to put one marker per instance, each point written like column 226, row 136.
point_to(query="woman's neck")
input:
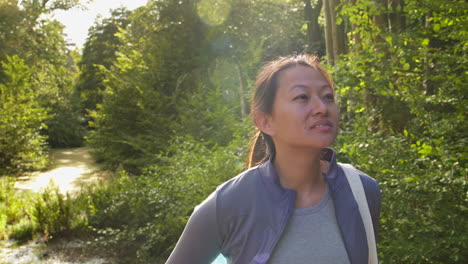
column 301, row 171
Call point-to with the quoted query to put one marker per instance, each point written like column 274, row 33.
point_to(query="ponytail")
column 262, row 147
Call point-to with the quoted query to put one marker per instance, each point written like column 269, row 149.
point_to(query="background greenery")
column 162, row 95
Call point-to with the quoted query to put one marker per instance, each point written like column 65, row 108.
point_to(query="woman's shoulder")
column 231, row 197
column 241, row 185
column 370, row 184
column 372, row 191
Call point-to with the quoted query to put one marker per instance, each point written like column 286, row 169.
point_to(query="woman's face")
column 304, row 110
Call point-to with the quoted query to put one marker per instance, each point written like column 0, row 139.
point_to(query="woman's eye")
column 301, row 97
column 329, row 98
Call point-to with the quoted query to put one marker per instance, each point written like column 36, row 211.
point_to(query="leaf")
column 406, row 66
column 425, row 42
column 389, row 40
column 339, row 20
column 410, row 179
column 360, row 110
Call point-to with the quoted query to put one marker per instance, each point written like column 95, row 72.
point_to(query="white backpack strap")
column 355, row 183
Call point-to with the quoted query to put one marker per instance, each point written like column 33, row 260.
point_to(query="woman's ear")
column 263, row 122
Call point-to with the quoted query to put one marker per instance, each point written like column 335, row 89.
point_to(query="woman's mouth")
column 322, row 125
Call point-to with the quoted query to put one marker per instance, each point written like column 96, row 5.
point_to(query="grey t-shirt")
column 312, row 236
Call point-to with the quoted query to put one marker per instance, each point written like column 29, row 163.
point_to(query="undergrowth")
column 136, row 219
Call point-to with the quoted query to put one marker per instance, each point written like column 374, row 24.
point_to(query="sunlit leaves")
column 213, row 12
column 21, row 119
column 409, row 132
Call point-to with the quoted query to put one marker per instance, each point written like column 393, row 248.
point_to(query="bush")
column 23, row 230
column 23, row 214
column 57, row 214
column 66, row 128
column 15, row 211
column 423, row 198
column 144, row 216
column 403, row 124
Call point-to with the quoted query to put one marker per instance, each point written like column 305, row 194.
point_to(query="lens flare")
column 213, row 12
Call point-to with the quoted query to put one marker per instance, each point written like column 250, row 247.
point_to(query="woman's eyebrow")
column 323, row 87
column 296, row 86
column 326, row 86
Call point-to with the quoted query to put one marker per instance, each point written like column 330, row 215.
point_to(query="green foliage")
column 25, row 215
column 15, row 211
column 35, row 106
column 129, row 126
column 100, row 50
column 135, row 120
column 211, row 113
column 21, row 119
column 35, row 84
column 57, row 214
column 423, row 204
column 164, row 84
column 66, row 128
column 23, row 31
column 403, row 102
column 23, row 230
column 144, row 216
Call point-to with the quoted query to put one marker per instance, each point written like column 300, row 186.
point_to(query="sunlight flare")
column 213, row 12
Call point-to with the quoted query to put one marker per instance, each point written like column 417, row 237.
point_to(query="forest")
column 161, row 94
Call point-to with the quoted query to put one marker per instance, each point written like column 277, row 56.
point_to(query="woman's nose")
column 318, row 106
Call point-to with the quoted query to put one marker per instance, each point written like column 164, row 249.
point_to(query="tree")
column 314, row 31
column 157, row 68
column 33, row 47
column 21, row 120
column 161, row 80
column 403, row 101
column 334, row 31
column 19, row 22
column 100, row 50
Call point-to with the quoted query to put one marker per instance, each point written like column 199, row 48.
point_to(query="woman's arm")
column 200, row 242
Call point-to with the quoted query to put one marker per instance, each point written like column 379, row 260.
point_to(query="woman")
column 294, row 204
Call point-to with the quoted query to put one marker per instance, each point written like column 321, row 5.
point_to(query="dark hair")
column 266, row 84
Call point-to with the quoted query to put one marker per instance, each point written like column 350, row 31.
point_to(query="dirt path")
column 72, row 168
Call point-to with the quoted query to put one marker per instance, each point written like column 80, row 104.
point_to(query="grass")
column 57, row 221
column 16, row 211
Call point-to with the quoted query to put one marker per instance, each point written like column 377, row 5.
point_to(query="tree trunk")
column 396, row 17
column 334, row 35
column 380, row 20
column 328, row 32
column 313, row 28
column 340, row 46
